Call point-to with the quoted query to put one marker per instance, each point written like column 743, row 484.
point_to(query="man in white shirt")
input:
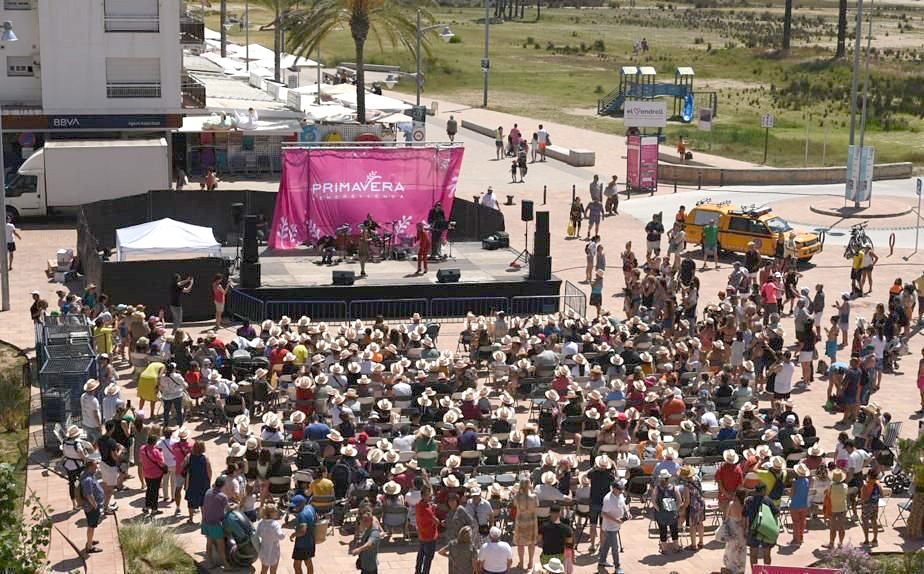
column 488, row 199
column 613, row 513
column 495, row 556
column 543, row 138
column 91, row 418
column 782, row 383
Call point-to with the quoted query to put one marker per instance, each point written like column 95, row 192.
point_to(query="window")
column 739, row 224
column 19, row 66
column 702, row 216
column 22, row 184
column 758, row 228
column 132, row 16
column 17, row 4
column 133, row 77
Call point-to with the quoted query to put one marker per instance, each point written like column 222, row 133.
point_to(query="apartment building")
column 94, row 68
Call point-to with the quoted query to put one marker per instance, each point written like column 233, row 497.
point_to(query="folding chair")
column 394, row 519
column 903, row 508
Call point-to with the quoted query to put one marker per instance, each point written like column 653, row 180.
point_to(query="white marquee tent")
column 165, row 236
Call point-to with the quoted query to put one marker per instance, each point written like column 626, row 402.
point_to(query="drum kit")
column 383, row 245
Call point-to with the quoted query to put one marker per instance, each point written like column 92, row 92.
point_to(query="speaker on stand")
column 250, row 258
column 526, row 215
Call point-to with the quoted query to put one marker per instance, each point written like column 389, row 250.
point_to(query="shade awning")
column 165, row 236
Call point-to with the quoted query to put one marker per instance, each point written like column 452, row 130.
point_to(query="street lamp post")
column 6, row 35
column 486, row 62
column 446, row 34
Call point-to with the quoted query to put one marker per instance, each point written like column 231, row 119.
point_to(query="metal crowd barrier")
column 247, row 307
column 324, row 311
column 388, row 308
column 455, row 310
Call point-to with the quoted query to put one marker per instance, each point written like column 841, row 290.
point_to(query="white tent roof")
column 165, row 236
column 373, row 102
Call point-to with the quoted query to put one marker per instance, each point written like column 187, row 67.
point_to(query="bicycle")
column 858, row 240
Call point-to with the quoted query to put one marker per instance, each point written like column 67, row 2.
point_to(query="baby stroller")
column 241, row 542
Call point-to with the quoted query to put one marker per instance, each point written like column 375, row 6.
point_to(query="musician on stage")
column 437, row 221
column 370, row 223
column 365, row 237
column 423, row 247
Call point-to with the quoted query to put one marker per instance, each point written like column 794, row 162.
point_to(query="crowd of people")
column 546, row 432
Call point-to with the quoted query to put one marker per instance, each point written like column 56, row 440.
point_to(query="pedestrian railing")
column 574, row 298
column 388, row 308
column 323, row 311
column 247, row 307
column 455, row 310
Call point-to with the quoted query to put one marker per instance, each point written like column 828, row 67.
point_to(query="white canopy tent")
column 165, row 236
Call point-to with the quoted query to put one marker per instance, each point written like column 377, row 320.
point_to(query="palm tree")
column 223, row 15
column 841, row 29
column 280, row 10
column 787, row 25
column 390, row 20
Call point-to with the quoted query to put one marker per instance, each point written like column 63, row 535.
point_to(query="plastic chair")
column 394, row 519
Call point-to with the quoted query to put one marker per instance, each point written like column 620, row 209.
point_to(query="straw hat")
column 451, row 417
column 838, row 475
column 90, row 386
column 516, row 437
column 112, row 389
column 424, row 401
column 493, row 443
column 593, row 414
column 554, row 566
column 762, row 451
column 651, row 397
column 375, row 455
column 798, row 440
column 802, row 470
column 730, row 456
column 260, row 373
column 451, row 481
column 297, row 417
column 748, row 366
column 654, row 435
column 580, row 359
column 453, row 461
column 549, row 478
column 652, row 423
column 392, row 488
column 506, row 399
column 384, row 405
column 236, row 450
column 73, row 431
column 769, row 435
column 686, row 471
column 349, row 450
column 816, row 450
column 645, row 357
column 392, row 457
column 334, row 436
column 552, row 395
column 687, row 426
column 427, row 431
column 252, row 443
column 604, row 462
column 727, row 421
column 778, row 463
column 182, row 433
column 670, row 453
column 398, row 469
column 548, row 458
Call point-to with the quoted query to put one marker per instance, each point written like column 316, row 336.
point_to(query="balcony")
column 193, row 92
column 192, row 30
column 145, row 24
column 133, row 90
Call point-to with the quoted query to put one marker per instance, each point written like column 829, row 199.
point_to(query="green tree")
column 393, row 21
column 841, row 29
column 22, row 546
column 281, row 13
column 14, row 402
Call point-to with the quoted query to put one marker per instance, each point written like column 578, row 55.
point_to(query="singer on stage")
column 423, row 247
column 437, row 220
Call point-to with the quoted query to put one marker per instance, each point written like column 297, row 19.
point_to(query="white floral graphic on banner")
column 402, row 224
column 288, row 231
column 314, row 231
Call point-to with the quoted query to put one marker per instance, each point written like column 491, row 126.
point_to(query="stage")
column 294, row 284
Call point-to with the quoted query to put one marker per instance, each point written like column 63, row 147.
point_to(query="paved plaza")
column 898, row 395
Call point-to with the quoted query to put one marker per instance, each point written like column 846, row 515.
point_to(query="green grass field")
column 557, row 68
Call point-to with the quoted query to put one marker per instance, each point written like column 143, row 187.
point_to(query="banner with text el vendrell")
column 321, row 189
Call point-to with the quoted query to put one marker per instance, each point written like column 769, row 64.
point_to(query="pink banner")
column 648, row 163
column 632, row 157
column 322, row 189
column 761, row 569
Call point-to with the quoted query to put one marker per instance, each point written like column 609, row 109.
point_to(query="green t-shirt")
column 710, row 235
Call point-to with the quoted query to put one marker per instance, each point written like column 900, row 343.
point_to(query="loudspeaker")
column 540, row 268
column 503, row 238
column 249, row 250
column 237, row 215
column 526, row 210
column 344, row 277
column 448, row 276
column 542, row 222
column 250, row 274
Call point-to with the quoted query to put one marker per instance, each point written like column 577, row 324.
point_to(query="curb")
column 859, row 215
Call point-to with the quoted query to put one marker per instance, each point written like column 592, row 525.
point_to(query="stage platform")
column 294, row 284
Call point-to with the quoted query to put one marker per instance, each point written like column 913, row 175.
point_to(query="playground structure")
column 639, row 83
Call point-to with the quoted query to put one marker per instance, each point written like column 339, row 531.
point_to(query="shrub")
column 850, row 560
column 150, row 549
column 14, row 402
column 22, row 546
column 455, row 40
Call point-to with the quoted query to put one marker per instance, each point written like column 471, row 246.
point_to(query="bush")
column 22, row 546
column 850, row 560
column 150, row 549
column 14, row 402
column 455, row 40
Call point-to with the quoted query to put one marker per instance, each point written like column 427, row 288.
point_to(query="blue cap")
column 297, row 501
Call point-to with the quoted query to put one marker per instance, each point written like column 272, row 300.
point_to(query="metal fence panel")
column 575, row 299
column 535, row 304
column 455, row 310
column 326, row 311
column 389, row 309
column 244, row 306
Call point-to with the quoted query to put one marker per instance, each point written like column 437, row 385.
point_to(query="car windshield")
column 777, row 224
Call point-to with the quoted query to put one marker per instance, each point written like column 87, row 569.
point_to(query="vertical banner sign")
column 322, row 189
column 634, row 144
column 648, row 163
column 860, row 164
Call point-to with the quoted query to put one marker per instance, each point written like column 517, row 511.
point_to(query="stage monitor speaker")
column 540, row 268
column 344, row 277
column 250, row 275
column 237, row 215
column 448, row 276
column 249, row 250
column 503, row 238
column 542, row 222
column 526, row 210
